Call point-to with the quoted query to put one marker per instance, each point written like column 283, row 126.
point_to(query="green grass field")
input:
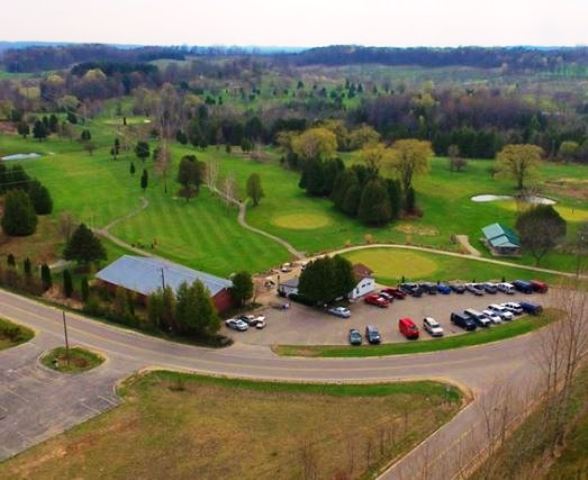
column 173, row 425
column 79, row 360
column 12, row 334
column 512, row 329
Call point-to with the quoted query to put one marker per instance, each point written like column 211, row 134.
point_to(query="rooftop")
column 146, row 274
column 500, row 236
column 361, row 271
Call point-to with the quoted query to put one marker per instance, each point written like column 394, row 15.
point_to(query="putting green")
column 569, row 214
column 302, row 221
column 391, row 263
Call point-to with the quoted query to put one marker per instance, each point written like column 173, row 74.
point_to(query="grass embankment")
column 80, row 360
column 514, row 328
column 12, row 334
column 182, row 426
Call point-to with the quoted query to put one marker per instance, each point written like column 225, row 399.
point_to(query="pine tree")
column 254, row 188
column 142, row 150
column 19, row 217
column 351, row 200
column 39, row 130
column 84, row 289
column 46, row 277
column 41, row 198
column 84, row 247
column 242, row 289
column 27, row 268
column 374, row 206
column 11, row 260
column 67, row 284
column 144, row 180
column 132, row 169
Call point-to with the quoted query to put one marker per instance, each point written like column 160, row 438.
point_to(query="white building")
column 366, row 283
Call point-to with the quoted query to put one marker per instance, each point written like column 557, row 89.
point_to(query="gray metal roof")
column 292, row 283
column 145, row 275
column 498, row 234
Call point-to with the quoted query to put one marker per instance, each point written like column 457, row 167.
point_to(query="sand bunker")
column 21, row 156
column 534, row 199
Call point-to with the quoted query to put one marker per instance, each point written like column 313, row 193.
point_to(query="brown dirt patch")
column 569, row 187
column 411, row 229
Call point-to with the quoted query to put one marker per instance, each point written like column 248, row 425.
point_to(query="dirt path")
column 464, row 241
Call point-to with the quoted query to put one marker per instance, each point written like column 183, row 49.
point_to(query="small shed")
column 365, row 281
column 145, row 275
column 501, row 240
column 288, row 287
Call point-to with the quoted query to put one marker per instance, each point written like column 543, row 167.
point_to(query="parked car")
column 489, row 287
column 372, row 334
column 444, row 288
column 408, row 328
column 457, row 287
column 411, row 289
column 494, row 317
column 376, row 300
column 514, row 307
column 433, row 327
column 395, row 292
column 472, row 288
column 506, row 287
column 257, row 321
column 531, row 308
column 523, row 286
column 478, row 317
column 503, row 312
column 386, row 296
column 463, row 321
column 355, row 337
column 286, row 267
column 539, row 287
column 428, row 287
column 340, row 312
column 236, row 324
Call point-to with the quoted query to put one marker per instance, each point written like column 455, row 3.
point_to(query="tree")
column 39, row 130
column 195, row 311
column 456, row 162
column 242, row 289
column 84, row 247
column 568, row 150
column 520, row 162
column 395, row 196
column 66, row 225
column 327, row 279
column 46, row 278
column 132, row 168
column 191, row 174
column 315, row 143
column 144, row 180
column 11, row 260
column 541, row 228
column 343, row 276
column 67, row 284
column 351, row 200
column 84, row 289
column 254, row 188
column 374, row 206
column 142, row 150
column 27, row 268
column 19, row 217
column 40, row 197
column 86, row 135
column 373, row 156
column 410, row 158
column 23, row 129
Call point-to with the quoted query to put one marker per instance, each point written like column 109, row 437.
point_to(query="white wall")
column 364, row 287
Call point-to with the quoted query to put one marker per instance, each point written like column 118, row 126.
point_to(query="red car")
column 395, row 292
column 408, row 328
column 375, row 299
column 538, row 286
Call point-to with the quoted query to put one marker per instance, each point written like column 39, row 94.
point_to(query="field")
column 204, row 232
column 479, row 337
column 181, row 426
column 12, row 335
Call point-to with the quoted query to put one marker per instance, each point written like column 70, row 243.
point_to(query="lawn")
column 12, row 335
column 514, row 328
column 77, row 361
column 181, row 426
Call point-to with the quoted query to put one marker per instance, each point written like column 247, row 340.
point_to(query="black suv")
column 372, row 335
column 428, row 287
column 462, row 320
column 457, row 287
column 411, row 289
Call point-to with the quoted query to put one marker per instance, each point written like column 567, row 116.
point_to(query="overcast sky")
column 299, row 22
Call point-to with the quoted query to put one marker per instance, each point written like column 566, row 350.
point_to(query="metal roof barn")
column 145, row 275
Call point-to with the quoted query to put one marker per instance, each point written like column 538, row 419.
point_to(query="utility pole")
column 66, row 338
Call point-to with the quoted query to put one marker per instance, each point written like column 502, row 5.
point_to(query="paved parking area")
column 301, row 325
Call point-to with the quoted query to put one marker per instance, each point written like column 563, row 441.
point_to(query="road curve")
column 474, row 369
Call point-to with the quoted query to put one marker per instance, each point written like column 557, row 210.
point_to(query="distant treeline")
column 516, row 58
column 39, row 58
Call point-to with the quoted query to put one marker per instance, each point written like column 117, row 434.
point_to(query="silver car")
column 493, row 316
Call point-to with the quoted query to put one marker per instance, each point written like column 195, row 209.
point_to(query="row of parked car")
column 468, row 319
column 244, row 322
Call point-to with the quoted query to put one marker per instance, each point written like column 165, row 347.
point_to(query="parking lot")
column 301, row 325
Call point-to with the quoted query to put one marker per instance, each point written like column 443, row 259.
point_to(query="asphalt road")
column 59, row 402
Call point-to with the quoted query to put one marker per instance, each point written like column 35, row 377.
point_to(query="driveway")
column 301, row 325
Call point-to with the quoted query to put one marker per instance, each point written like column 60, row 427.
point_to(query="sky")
column 299, row 23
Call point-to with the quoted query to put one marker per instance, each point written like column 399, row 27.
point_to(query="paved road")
column 59, row 402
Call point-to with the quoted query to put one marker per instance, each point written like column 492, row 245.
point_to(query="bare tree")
column 229, row 189
column 212, row 174
column 66, row 225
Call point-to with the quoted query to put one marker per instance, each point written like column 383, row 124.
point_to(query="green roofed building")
column 501, row 240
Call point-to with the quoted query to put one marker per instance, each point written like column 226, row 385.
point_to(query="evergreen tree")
column 53, row 123
column 19, row 218
column 84, row 247
column 316, row 281
column 84, row 289
column 351, row 200
column 254, row 188
column 86, row 136
column 242, row 289
column 142, row 150
column 41, row 198
column 374, row 206
column 410, row 206
column 11, row 260
column 132, row 169
column 23, row 129
column 395, row 195
column 67, row 284
column 195, row 311
column 46, row 277
column 144, row 180
column 343, row 277
column 39, row 130
column 27, row 268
